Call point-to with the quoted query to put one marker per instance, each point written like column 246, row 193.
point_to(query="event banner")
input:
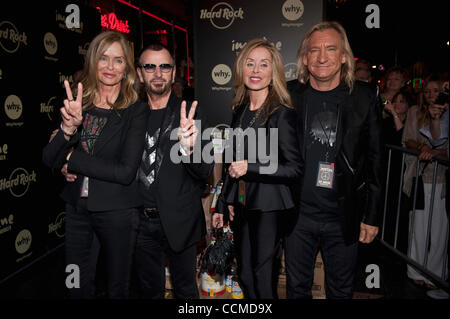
column 41, row 45
column 222, row 28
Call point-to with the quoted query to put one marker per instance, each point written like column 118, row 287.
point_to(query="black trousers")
column 302, row 245
column 257, row 240
column 113, row 231
column 152, row 248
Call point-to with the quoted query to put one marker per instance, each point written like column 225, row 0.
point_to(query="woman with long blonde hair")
column 99, row 147
column 256, row 191
column 414, row 138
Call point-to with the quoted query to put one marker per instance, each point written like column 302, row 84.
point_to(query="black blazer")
column 112, row 167
column 359, row 149
column 268, row 192
column 180, row 185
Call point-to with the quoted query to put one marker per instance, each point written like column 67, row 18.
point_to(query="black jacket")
column 112, row 167
column 359, row 153
column 180, row 185
column 268, row 192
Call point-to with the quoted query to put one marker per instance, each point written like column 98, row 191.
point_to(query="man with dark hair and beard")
column 172, row 219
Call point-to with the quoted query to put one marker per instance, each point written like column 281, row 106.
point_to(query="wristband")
column 65, row 133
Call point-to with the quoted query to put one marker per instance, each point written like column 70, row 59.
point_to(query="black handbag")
column 420, row 195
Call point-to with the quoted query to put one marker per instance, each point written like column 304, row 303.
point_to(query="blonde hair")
column 423, row 117
column 347, row 69
column 89, row 77
column 278, row 93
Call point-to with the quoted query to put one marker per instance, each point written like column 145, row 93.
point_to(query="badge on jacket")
column 325, row 175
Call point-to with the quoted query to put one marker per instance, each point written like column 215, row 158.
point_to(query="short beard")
column 160, row 91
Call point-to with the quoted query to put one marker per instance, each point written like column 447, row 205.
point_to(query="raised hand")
column 436, row 111
column 389, row 107
column 187, row 132
column 71, row 112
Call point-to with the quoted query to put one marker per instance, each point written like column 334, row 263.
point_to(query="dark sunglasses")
column 150, row 68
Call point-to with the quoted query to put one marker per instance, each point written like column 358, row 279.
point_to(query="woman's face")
column 400, row 104
column 431, row 92
column 258, row 69
column 395, row 81
column 112, row 65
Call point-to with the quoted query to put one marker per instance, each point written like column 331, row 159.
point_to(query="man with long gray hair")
column 339, row 125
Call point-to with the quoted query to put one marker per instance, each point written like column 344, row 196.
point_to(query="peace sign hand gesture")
column 71, row 112
column 187, row 132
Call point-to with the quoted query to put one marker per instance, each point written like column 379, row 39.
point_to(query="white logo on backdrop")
column 18, row 182
column 82, row 49
column 292, row 10
column 222, row 15
column 237, row 46
column 6, row 223
column 10, row 38
column 13, row 107
column 221, row 74
column 23, row 241
column 50, row 43
column 3, row 151
column 48, row 108
column 58, row 227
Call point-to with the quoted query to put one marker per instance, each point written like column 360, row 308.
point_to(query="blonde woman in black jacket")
column 257, row 190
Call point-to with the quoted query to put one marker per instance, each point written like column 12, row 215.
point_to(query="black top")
column 319, row 202
column 179, row 185
column 111, row 164
column 359, row 153
column 246, row 121
column 267, row 182
column 146, row 173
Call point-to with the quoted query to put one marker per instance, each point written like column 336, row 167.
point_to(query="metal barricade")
column 421, row 267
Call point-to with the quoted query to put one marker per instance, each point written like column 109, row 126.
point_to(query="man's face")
column 324, row 57
column 159, row 80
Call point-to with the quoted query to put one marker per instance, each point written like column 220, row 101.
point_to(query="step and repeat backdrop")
column 41, row 45
column 222, row 28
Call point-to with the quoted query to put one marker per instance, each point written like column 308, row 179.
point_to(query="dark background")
column 410, row 31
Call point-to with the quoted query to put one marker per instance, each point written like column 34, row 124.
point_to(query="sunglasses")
column 150, row 68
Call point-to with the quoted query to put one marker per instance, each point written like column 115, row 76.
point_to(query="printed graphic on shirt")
column 147, row 168
column 323, row 128
column 92, row 127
